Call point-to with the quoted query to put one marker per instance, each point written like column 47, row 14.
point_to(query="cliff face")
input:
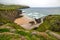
column 10, row 14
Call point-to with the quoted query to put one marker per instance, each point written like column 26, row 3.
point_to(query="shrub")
column 4, row 30
column 55, row 26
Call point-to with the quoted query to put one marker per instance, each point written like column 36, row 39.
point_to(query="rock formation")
column 10, row 14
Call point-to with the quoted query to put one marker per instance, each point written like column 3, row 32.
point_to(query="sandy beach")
column 24, row 21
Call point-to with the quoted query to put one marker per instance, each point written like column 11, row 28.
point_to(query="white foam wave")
column 35, row 15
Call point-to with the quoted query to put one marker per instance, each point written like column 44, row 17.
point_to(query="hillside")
column 11, row 12
column 11, row 31
column 12, row 7
column 51, row 22
column 15, row 32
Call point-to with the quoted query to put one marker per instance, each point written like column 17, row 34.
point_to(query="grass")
column 49, row 22
column 19, row 31
column 11, row 7
column 15, row 26
column 10, row 23
column 4, row 30
column 9, row 36
column 29, row 36
column 57, row 32
column 52, row 37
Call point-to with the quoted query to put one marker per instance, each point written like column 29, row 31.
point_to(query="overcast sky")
column 34, row 3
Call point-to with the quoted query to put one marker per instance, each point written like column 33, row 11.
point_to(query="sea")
column 38, row 12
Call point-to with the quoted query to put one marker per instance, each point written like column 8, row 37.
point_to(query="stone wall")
column 10, row 14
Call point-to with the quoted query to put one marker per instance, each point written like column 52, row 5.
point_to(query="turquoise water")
column 40, row 12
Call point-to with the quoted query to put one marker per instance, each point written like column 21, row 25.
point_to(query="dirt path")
column 54, row 34
column 44, row 34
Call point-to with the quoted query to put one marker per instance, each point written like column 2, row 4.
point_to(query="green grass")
column 28, row 35
column 11, row 7
column 49, row 21
column 10, row 23
column 15, row 26
column 4, row 30
column 9, row 36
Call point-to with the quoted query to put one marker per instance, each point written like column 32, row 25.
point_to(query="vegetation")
column 14, row 30
column 4, row 20
column 11, row 7
column 11, row 31
column 51, row 22
column 4, row 30
column 9, row 36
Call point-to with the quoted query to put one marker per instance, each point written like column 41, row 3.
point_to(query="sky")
column 34, row 3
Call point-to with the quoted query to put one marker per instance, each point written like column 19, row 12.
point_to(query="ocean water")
column 40, row 12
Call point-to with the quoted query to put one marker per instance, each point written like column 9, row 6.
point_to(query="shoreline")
column 25, row 22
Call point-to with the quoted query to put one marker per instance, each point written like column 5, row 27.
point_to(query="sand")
column 24, row 22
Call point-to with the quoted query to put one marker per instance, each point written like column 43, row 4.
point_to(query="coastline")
column 24, row 22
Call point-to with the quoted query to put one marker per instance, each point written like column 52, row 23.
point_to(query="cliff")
column 12, row 7
column 11, row 12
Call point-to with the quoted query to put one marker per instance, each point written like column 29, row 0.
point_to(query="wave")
column 35, row 15
column 40, row 12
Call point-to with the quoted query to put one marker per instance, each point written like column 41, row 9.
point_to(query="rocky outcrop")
column 38, row 20
column 10, row 14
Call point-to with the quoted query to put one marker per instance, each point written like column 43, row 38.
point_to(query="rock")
column 32, row 22
column 38, row 20
column 10, row 14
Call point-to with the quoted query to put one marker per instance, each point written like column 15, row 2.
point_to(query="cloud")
column 34, row 3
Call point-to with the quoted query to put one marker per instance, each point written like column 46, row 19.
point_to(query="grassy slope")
column 16, row 30
column 12, row 31
column 11, row 7
column 48, row 22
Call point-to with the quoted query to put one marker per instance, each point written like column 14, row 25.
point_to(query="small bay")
column 38, row 12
